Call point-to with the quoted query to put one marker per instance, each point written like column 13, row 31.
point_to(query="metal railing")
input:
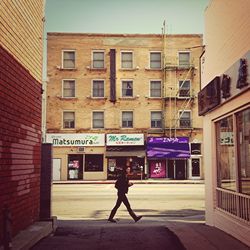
column 234, row 203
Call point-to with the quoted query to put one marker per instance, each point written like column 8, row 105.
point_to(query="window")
column 127, row 119
column 243, row 135
column 155, row 60
column 68, row 88
column 184, row 59
column 196, row 167
column 195, row 149
column 184, row 88
column 93, row 163
column 155, row 88
column 185, row 119
column 98, row 59
column 98, row 88
column 156, row 119
column 68, row 59
column 226, row 177
column 127, row 60
column 68, row 119
column 127, row 88
column 98, row 119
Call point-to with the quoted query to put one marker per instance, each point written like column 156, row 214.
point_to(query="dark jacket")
column 122, row 184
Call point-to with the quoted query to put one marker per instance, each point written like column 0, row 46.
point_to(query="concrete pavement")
column 149, row 233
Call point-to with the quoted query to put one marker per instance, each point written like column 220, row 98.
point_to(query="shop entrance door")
column 75, row 167
column 180, row 169
column 56, row 170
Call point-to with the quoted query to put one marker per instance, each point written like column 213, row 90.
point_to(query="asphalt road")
column 153, row 201
column 82, row 212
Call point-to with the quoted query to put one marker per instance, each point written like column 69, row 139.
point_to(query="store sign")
column 222, row 88
column 226, row 138
column 209, row 96
column 165, row 147
column 125, row 139
column 67, row 140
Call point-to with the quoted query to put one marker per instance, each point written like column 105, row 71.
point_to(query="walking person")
column 122, row 184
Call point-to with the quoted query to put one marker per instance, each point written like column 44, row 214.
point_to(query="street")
column 154, row 201
column 82, row 212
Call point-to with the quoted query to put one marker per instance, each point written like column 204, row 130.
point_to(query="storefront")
column 125, row 150
column 168, row 157
column 78, row 156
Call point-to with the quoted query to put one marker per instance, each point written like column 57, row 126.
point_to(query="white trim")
column 178, row 87
column 63, row 119
column 92, row 116
column 92, row 83
column 132, row 80
column 62, row 58
column 127, row 51
column 183, row 51
column 92, row 58
column 63, row 88
column 132, row 119
column 184, row 110
column 155, row 80
column 149, row 59
column 151, row 118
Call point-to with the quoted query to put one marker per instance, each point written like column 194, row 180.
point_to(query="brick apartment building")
column 21, row 43
column 116, row 100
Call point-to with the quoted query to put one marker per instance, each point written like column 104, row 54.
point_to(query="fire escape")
column 177, row 96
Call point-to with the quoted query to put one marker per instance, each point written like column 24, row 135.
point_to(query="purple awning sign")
column 165, row 147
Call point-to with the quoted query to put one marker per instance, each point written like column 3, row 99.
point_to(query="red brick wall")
column 20, row 143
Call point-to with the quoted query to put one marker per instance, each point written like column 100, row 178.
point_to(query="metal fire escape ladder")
column 163, row 87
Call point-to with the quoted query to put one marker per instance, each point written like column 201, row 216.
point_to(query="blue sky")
column 125, row 16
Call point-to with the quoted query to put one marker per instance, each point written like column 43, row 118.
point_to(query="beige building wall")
column 141, row 74
column 227, row 36
column 19, row 36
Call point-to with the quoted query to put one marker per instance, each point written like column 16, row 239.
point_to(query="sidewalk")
column 189, row 234
column 148, row 181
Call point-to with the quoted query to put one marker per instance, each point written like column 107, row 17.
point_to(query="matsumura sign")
column 125, row 139
column 67, row 140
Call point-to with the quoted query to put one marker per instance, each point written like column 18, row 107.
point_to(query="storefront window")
column 225, row 154
column 243, row 135
column 75, row 167
column 93, row 163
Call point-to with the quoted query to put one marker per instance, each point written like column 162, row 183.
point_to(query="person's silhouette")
column 122, row 184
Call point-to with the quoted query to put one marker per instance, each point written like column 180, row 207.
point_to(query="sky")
column 125, row 16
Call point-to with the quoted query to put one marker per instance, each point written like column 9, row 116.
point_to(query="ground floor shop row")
column 90, row 157
column 96, row 166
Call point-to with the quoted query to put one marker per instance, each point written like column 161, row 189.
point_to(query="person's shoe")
column 138, row 218
column 112, row 220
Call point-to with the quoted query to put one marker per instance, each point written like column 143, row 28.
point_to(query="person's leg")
column 131, row 212
column 113, row 211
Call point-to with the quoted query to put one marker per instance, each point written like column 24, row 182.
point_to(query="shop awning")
column 138, row 153
column 163, row 147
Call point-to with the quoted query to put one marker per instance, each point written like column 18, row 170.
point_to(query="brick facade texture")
column 20, row 143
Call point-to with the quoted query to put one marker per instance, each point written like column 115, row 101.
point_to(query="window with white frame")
column 98, row 59
column 155, row 60
column 184, row 88
column 155, row 88
column 156, row 119
column 184, row 59
column 98, row 88
column 126, row 60
column 127, row 88
column 68, row 88
column 127, row 119
column 68, row 59
column 98, row 119
column 185, row 119
column 232, row 138
column 68, row 119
